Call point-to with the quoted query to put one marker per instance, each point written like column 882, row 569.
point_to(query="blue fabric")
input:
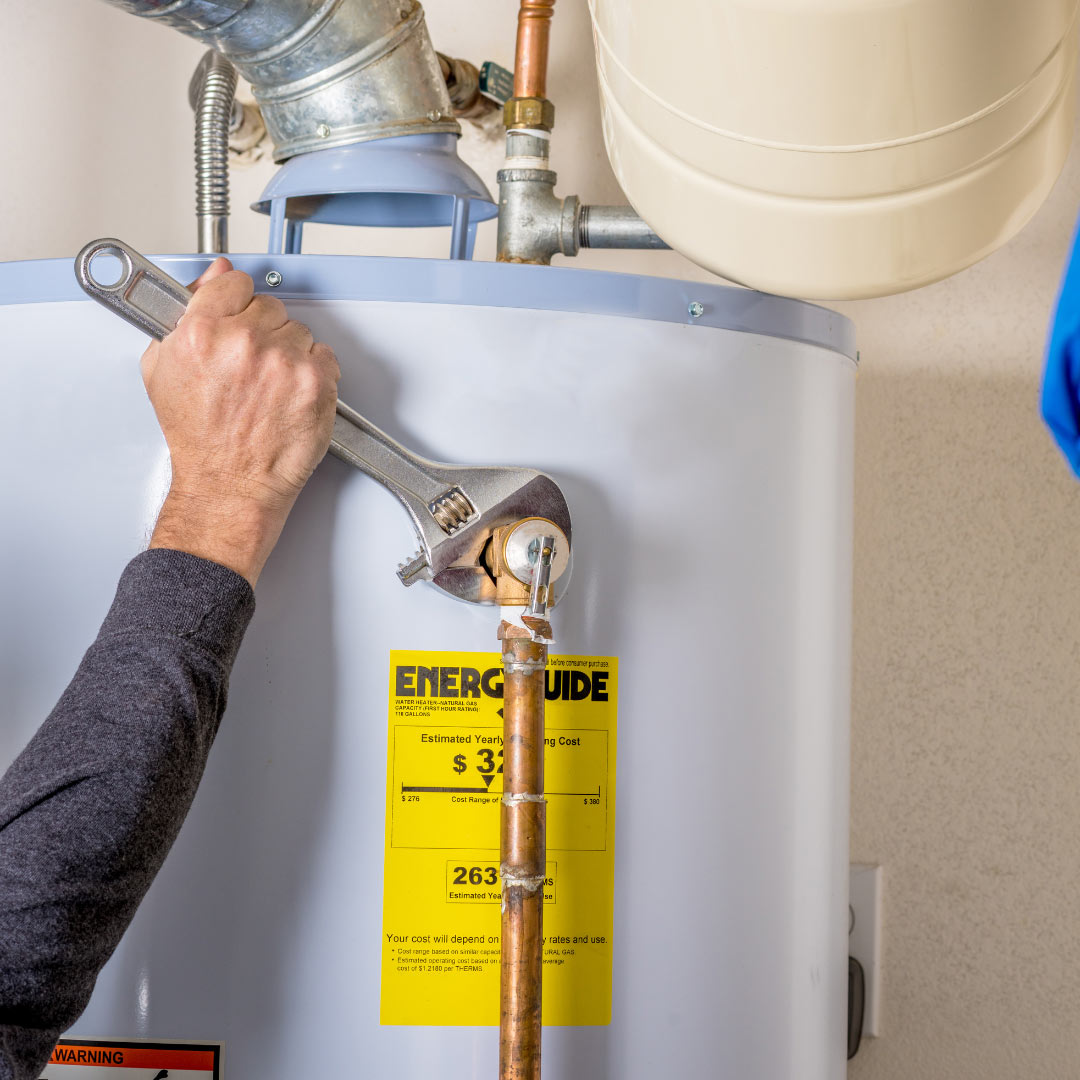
column 1060, row 402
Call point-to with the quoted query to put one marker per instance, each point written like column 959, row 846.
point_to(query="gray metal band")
column 484, row 284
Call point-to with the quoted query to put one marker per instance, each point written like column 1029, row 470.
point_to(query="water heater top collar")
column 484, row 284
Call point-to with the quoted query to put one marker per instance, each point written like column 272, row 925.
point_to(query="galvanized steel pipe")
column 615, row 227
column 213, row 88
column 324, row 72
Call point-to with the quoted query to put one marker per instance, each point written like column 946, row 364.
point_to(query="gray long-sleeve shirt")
column 89, row 810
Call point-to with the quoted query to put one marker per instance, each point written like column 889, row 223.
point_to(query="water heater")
column 327, row 907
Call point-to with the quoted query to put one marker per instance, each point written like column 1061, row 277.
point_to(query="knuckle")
column 245, row 338
column 235, row 277
column 327, row 360
column 197, row 333
column 269, row 308
column 316, row 392
column 284, row 359
column 226, row 290
column 310, row 382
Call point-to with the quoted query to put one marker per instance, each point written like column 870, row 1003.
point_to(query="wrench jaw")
column 475, row 585
column 454, row 561
column 470, row 584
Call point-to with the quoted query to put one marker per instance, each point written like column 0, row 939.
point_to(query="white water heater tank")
column 703, row 437
column 836, row 148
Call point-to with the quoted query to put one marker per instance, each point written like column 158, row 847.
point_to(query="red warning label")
column 86, row 1059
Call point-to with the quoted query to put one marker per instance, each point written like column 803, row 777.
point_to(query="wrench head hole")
column 108, row 267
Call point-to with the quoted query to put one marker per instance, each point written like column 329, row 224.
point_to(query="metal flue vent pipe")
column 325, row 73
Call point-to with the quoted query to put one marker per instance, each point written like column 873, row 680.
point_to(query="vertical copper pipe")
column 524, row 853
column 531, row 60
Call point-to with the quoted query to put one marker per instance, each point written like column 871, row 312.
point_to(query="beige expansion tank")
column 836, row 148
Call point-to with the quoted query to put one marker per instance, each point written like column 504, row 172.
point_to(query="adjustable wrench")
column 454, row 508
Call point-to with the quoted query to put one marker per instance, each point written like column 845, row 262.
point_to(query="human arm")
column 90, row 809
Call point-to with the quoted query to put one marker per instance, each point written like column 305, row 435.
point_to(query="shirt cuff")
column 178, row 594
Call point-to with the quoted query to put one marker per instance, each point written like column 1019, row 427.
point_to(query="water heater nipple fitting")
column 511, row 562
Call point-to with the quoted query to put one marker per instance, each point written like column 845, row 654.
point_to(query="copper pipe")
column 524, row 854
column 531, row 60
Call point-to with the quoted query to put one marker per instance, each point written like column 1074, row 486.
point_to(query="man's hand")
column 245, row 399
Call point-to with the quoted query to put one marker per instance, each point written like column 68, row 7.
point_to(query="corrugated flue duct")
column 339, row 72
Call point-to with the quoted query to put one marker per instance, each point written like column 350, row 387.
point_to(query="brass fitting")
column 509, row 591
column 529, row 113
column 509, row 558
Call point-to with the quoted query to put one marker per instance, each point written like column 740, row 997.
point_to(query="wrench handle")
column 144, row 296
column 359, row 443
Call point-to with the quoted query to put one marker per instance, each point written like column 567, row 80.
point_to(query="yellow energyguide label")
column 441, row 884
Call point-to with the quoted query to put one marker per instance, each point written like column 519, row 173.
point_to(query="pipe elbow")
column 325, row 74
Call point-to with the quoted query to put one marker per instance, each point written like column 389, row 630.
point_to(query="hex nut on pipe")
column 537, row 113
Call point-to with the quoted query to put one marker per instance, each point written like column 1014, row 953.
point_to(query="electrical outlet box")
column 864, row 937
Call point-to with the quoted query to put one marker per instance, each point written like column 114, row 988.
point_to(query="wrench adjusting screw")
column 273, row 279
column 696, row 309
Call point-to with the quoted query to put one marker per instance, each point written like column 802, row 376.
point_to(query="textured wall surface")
column 966, row 759
column 966, row 732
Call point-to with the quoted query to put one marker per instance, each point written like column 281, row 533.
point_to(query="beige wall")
column 966, row 732
column 966, row 749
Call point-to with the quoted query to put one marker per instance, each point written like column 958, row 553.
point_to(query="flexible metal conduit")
column 325, row 73
column 213, row 87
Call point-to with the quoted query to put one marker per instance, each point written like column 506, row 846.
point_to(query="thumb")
column 219, row 266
